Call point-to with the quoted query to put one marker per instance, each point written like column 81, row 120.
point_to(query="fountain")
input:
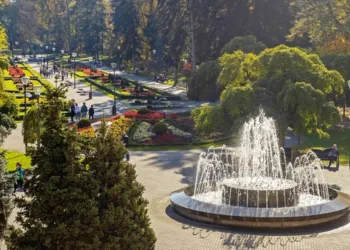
column 256, row 187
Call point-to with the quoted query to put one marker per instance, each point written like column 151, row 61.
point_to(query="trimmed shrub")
column 84, row 123
column 143, row 111
column 160, row 128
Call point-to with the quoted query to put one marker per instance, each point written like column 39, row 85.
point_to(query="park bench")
column 323, row 155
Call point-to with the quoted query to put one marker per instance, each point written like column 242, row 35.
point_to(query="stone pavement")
column 165, row 172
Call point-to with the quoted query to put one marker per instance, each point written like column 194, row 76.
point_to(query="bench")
column 323, row 155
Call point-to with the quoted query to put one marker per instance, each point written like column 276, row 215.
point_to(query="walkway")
column 177, row 91
column 103, row 104
column 164, row 172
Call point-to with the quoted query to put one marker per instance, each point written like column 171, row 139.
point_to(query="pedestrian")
column 19, row 177
column 91, row 112
column 62, row 75
column 333, row 156
column 77, row 112
column 72, row 112
column 125, row 140
column 84, row 111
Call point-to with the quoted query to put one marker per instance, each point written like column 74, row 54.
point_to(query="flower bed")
column 152, row 117
column 16, row 71
column 137, row 93
column 167, row 138
column 178, row 132
column 119, row 124
column 143, row 133
column 89, row 72
column 88, row 131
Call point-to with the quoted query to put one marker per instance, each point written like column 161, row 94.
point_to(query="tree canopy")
column 288, row 80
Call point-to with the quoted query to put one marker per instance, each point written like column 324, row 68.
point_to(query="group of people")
column 81, row 112
column 46, row 71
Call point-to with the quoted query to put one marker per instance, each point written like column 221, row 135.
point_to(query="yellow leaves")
column 339, row 45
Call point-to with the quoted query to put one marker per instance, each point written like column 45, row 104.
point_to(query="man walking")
column 72, row 112
column 91, row 112
column 84, row 111
column 77, row 112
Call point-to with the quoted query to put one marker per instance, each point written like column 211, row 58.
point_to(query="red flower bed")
column 104, row 79
column 151, row 117
column 172, row 116
column 167, row 138
column 16, row 71
column 114, row 118
column 144, row 93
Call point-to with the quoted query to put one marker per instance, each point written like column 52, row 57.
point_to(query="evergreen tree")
column 61, row 212
column 8, row 110
column 124, row 221
column 6, row 188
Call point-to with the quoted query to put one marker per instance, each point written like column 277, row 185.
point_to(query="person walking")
column 91, row 112
column 333, row 156
column 72, row 112
column 19, row 177
column 77, row 112
column 125, row 140
column 84, row 111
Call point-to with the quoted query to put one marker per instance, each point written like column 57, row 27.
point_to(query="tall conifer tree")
column 61, row 212
column 123, row 211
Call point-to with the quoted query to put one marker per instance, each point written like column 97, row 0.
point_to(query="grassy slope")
column 13, row 157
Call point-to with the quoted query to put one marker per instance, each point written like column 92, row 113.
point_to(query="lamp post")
column 57, row 76
column 38, row 91
column 155, row 63
column 120, row 61
column 90, row 93
column 74, row 55
column 53, row 50
column 25, row 81
column 62, row 52
column 114, row 108
column 47, row 54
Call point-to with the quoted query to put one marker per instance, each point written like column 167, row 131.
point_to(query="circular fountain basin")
column 261, row 217
column 259, row 192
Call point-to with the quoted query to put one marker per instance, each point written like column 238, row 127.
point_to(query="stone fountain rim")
column 292, row 183
column 265, row 217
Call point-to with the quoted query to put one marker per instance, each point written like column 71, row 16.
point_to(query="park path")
column 146, row 82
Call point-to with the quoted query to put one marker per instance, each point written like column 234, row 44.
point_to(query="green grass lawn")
column 9, row 85
column 27, row 73
column 96, row 88
column 339, row 137
column 13, row 157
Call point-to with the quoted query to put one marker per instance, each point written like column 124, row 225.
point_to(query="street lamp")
column 25, row 81
column 74, row 55
column 47, row 54
column 114, row 108
column 57, row 76
column 90, row 60
column 38, row 90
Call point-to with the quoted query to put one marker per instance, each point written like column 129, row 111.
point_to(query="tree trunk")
column 69, row 30
column 176, row 76
column 192, row 38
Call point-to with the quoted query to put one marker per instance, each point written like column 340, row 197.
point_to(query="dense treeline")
column 132, row 29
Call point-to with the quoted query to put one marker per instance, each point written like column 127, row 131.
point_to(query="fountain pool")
column 254, row 186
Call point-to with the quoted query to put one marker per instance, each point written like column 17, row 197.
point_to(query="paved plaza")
column 165, row 172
